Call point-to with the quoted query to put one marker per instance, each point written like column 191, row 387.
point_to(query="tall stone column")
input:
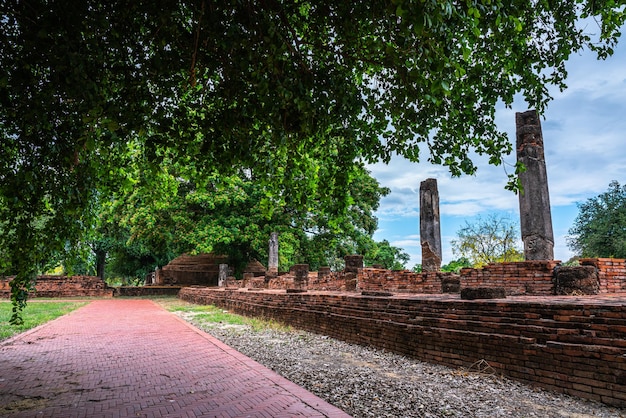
column 534, row 198
column 430, row 228
column 272, row 260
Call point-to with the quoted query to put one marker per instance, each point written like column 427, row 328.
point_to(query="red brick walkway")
column 131, row 358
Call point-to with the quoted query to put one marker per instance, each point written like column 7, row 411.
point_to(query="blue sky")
column 584, row 131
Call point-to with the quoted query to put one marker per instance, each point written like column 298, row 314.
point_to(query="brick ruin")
column 188, row 270
column 49, row 286
column 430, row 228
column 536, row 278
column 573, row 345
column 560, row 328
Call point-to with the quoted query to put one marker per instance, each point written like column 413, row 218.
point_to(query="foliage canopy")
column 491, row 240
column 599, row 230
column 271, row 86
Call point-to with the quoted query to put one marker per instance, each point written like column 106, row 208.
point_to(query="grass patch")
column 207, row 315
column 35, row 314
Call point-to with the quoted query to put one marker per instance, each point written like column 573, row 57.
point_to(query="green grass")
column 35, row 314
column 209, row 314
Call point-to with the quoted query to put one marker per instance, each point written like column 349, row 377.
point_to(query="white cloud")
column 407, row 243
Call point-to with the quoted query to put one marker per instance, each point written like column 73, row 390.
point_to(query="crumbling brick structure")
column 63, row 286
column 571, row 345
column 538, row 278
column 189, row 270
column 517, row 278
column 575, row 345
column 611, row 273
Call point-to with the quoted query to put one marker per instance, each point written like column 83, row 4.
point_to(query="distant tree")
column 600, row 228
column 490, row 240
column 573, row 261
column 388, row 256
column 417, row 268
column 455, row 266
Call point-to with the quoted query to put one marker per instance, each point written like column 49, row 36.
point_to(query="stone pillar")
column 323, row 272
column 534, row 198
column 301, row 276
column 353, row 263
column 223, row 275
column 430, row 229
column 272, row 260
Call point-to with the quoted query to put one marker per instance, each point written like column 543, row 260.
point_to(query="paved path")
column 131, row 358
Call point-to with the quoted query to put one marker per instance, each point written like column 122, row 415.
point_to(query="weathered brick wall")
column 381, row 280
column 340, row 281
column 325, row 280
column 575, row 346
column 611, row 272
column 367, row 279
column 188, row 270
column 518, row 278
column 63, row 286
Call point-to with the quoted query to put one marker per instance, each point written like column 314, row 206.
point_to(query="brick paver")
column 131, row 358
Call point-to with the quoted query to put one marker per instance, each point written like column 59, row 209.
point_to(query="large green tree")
column 271, row 86
column 599, row 230
column 174, row 210
column 386, row 255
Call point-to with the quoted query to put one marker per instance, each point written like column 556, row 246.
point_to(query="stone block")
column 353, row 263
column 576, row 280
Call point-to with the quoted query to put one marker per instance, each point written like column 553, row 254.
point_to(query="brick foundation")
column 518, row 278
column 370, row 279
column 571, row 345
column 146, row 291
column 63, row 286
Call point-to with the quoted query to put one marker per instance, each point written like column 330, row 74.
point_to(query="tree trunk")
column 101, row 256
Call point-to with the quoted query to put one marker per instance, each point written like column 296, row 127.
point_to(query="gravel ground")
column 366, row 382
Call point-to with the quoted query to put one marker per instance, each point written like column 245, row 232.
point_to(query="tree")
column 599, row 230
column 173, row 210
column 386, row 255
column 491, row 240
column 271, row 86
column 455, row 266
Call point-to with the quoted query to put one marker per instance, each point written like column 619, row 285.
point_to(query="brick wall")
column 611, row 272
column 145, row 291
column 332, row 280
column 367, row 279
column 519, row 278
column 63, row 286
column 571, row 345
column 370, row 279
